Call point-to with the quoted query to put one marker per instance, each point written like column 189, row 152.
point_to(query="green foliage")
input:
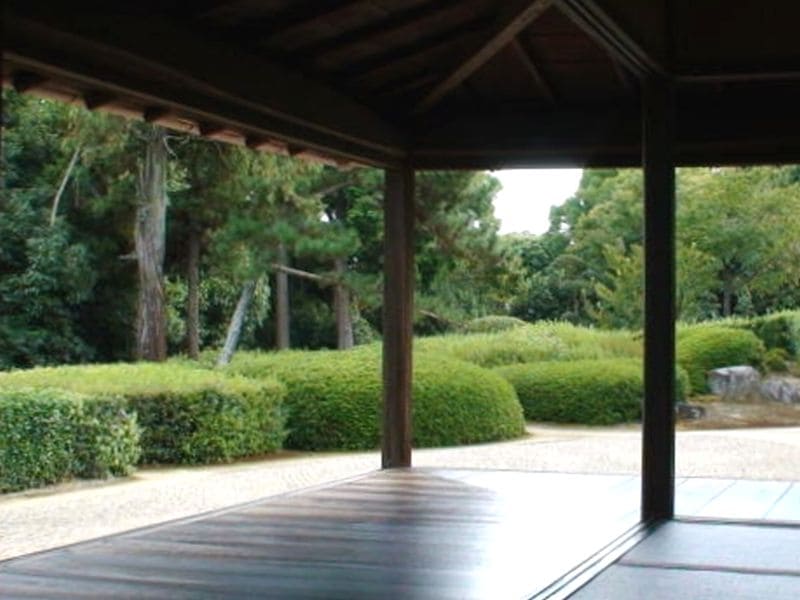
column 49, row 435
column 703, row 348
column 44, row 280
column 492, row 324
column 593, row 392
column 187, row 415
column 531, row 343
column 334, row 399
column 776, row 360
column 779, row 330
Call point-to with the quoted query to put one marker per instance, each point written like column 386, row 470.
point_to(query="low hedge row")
column 701, row 349
column 334, row 399
column 49, row 435
column 532, row 343
column 187, row 415
column 492, row 324
column 591, row 392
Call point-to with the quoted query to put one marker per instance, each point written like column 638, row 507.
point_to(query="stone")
column 734, row 383
column 781, row 389
column 690, row 411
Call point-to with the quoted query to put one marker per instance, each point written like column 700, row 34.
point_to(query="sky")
column 527, row 195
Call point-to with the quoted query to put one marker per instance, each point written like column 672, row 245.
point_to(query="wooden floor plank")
column 635, row 583
column 720, row 546
column 424, row 533
column 787, row 507
column 745, row 500
column 695, row 493
column 399, row 534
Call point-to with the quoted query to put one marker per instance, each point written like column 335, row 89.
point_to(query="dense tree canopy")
column 237, row 221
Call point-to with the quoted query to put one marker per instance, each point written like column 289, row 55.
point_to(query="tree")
column 745, row 222
column 150, row 239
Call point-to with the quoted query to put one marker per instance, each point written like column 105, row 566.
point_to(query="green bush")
column 779, row 331
column 49, row 435
column 701, row 349
column 334, row 399
column 492, row 324
column 776, row 330
column 592, row 392
column 532, row 343
column 776, row 360
column 187, row 415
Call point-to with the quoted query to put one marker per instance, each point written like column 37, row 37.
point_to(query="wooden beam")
column 24, row 81
column 502, row 34
column 206, row 129
column 95, row 100
column 398, row 311
column 658, row 419
column 596, row 23
column 198, row 78
column 154, row 114
column 534, row 72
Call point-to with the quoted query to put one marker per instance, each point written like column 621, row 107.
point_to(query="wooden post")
column 398, row 301
column 658, row 423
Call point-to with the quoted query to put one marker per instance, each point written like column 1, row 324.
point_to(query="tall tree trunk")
column 149, row 235
column 235, row 326
column 727, row 301
column 282, row 317
column 341, row 309
column 193, row 295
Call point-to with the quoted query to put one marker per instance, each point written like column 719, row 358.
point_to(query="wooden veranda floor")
column 429, row 533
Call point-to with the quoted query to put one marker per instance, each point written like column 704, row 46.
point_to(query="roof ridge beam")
column 597, row 23
column 503, row 33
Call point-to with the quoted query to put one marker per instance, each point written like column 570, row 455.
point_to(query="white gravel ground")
column 59, row 515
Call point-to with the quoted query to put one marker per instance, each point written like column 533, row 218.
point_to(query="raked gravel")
column 50, row 517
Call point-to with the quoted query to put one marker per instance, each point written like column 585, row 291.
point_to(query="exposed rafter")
column 534, row 72
column 138, row 61
column 502, row 34
column 25, row 81
column 371, row 39
column 95, row 100
column 595, row 22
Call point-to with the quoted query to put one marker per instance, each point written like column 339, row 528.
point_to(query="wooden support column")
column 658, row 423
column 398, row 305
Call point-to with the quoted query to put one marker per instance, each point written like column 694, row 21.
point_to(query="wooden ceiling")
column 437, row 83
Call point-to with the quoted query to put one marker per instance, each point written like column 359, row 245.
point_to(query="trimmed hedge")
column 779, row 331
column 531, row 343
column 701, row 349
column 187, row 415
column 48, row 436
column 492, row 324
column 591, row 392
column 334, row 399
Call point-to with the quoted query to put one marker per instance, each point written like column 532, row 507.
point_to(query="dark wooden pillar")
column 398, row 306
column 658, row 424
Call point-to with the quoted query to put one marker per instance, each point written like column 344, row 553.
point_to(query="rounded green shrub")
column 519, row 345
column 779, row 331
column 334, row 399
column 533, row 343
column 492, row 324
column 49, row 435
column 187, row 415
column 591, row 392
column 776, row 360
column 701, row 349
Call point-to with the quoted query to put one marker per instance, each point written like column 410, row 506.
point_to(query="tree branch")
column 63, row 184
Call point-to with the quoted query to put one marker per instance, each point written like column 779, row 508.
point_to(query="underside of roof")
column 431, row 83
